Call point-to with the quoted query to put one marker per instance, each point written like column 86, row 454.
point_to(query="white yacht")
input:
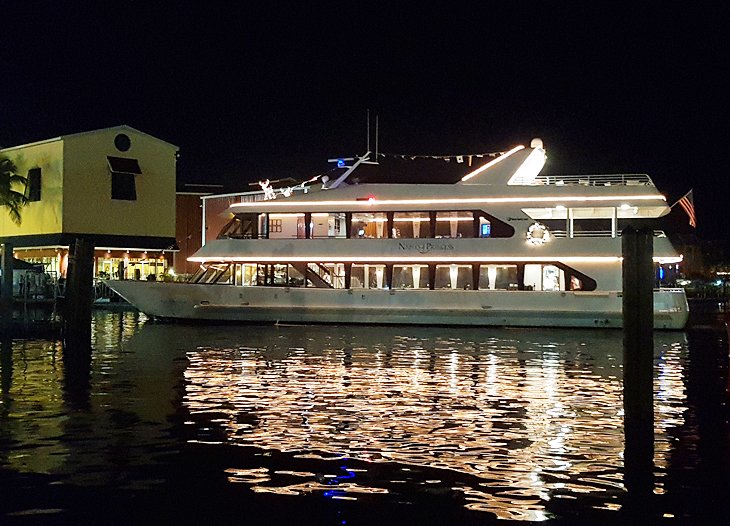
column 503, row 246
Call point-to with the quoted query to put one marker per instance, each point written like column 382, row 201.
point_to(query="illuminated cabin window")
column 329, row 225
column 272, row 275
column 242, row 226
column 455, row 224
column 331, row 275
column 453, row 277
column 212, row 273
column 123, row 172
column 285, row 226
column 411, row 225
column 544, row 277
column 410, row 276
column 498, row 277
column 33, row 185
column 368, row 277
column 369, row 225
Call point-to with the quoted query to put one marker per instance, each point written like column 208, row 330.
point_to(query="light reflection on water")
column 526, row 416
column 508, row 421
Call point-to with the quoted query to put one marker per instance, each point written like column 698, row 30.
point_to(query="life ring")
column 537, row 234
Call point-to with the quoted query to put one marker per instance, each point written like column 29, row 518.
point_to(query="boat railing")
column 582, row 233
column 596, row 233
column 596, row 180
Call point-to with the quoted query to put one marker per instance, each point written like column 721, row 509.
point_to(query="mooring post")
column 638, row 321
column 6, row 287
column 79, row 287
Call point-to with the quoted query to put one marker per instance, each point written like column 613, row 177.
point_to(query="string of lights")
column 459, row 158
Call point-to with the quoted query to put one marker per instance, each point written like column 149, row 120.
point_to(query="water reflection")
column 528, row 416
column 520, row 424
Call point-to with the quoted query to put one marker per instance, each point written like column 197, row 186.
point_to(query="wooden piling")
column 638, row 322
column 6, row 287
column 79, row 289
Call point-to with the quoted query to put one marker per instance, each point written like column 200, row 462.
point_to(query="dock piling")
column 79, row 288
column 6, row 287
column 638, row 321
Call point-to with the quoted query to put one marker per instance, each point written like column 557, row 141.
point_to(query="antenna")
column 376, row 138
column 368, row 125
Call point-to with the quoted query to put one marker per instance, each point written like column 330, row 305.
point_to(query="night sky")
column 248, row 93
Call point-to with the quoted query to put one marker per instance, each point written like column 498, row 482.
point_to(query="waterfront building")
column 114, row 186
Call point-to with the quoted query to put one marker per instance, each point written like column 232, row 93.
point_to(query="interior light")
column 624, row 206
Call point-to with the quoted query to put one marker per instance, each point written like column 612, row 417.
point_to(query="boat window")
column 329, row 225
column 410, row 276
column 490, row 226
column 369, row 225
column 453, row 277
column 576, row 283
column 455, row 224
column 368, row 277
column 411, row 225
column 241, row 226
column 591, row 228
column 248, row 276
column 212, row 273
column 498, row 277
column 295, row 278
column 285, row 226
column 544, row 277
column 326, row 275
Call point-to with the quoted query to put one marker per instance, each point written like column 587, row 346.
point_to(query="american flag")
column 688, row 205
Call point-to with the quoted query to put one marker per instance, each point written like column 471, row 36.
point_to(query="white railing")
column 596, row 233
column 596, row 180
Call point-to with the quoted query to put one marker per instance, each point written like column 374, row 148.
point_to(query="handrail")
column 595, row 180
column 596, row 233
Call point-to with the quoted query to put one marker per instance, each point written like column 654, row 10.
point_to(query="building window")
column 123, row 172
column 123, row 187
column 122, row 142
column 33, row 186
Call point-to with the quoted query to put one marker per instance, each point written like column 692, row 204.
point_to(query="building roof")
column 120, row 128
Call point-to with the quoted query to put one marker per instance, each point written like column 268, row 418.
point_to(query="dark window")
column 122, row 142
column 33, row 186
column 123, row 186
column 123, row 172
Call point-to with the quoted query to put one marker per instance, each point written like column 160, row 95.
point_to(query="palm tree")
column 9, row 198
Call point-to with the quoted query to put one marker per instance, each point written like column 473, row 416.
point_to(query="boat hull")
column 186, row 301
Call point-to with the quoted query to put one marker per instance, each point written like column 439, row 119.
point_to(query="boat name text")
column 425, row 248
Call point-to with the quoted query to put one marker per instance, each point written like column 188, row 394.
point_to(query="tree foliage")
column 10, row 198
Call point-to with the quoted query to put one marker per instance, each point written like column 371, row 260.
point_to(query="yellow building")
column 114, row 186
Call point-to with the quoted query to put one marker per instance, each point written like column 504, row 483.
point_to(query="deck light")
column 455, row 201
column 492, row 163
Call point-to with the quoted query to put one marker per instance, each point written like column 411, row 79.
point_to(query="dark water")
column 352, row 425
